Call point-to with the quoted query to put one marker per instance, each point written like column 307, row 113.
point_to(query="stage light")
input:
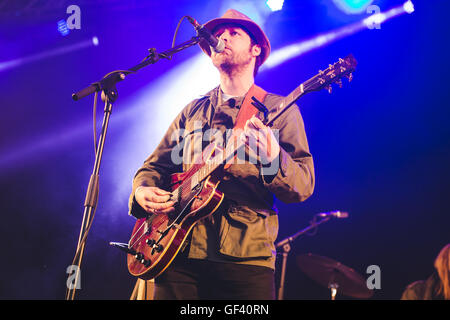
column 353, row 6
column 408, row 6
column 275, row 5
column 62, row 27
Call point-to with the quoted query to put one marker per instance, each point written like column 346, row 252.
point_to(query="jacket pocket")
column 246, row 233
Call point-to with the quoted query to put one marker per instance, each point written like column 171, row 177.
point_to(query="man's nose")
column 224, row 36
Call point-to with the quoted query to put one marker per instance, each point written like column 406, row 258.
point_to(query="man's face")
column 239, row 51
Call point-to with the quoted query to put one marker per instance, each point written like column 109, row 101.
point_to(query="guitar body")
column 157, row 239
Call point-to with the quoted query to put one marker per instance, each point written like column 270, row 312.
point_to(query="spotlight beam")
column 47, row 54
column 294, row 50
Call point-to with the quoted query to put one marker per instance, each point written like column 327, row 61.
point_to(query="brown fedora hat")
column 234, row 16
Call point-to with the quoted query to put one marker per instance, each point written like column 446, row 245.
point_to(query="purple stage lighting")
column 62, row 28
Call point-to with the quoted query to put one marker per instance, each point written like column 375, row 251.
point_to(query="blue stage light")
column 353, row 6
column 275, row 5
column 408, row 6
column 62, row 27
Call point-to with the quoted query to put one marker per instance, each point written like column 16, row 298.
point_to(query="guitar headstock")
column 333, row 74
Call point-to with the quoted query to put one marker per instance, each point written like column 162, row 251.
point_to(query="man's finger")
column 161, row 192
column 257, row 123
column 165, row 211
column 162, row 206
column 155, row 198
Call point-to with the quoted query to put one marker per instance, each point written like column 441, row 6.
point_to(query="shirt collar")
column 215, row 97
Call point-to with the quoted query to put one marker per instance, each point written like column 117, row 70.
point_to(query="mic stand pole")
column 286, row 246
column 91, row 200
column 109, row 94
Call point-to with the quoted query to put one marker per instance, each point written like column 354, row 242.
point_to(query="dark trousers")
column 193, row 279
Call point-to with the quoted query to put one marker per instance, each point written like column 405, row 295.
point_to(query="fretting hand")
column 261, row 140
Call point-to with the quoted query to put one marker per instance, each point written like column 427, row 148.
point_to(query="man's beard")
column 231, row 63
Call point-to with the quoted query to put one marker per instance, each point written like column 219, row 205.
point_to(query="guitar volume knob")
column 139, row 256
column 145, row 262
column 158, row 248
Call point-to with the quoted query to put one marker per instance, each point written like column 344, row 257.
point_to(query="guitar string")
column 146, row 223
column 183, row 194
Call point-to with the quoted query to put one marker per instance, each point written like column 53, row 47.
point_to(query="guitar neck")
column 333, row 74
column 289, row 100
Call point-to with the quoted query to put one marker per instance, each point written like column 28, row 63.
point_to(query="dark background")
column 381, row 144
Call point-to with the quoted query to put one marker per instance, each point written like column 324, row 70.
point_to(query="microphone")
column 216, row 44
column 334, row 214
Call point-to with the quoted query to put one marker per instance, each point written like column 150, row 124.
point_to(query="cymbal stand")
column 286, row 246
column 333, row 285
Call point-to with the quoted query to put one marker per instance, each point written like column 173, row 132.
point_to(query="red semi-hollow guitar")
column 157, row 239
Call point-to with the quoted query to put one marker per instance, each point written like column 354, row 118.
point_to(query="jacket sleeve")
column 157, row 168
column 294, row 180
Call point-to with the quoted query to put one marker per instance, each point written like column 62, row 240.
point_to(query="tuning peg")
column 329, row 88
column 339, row 82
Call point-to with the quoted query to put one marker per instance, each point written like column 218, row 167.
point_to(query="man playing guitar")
column 229, row 254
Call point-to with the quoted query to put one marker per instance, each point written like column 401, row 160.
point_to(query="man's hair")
column 258, row 58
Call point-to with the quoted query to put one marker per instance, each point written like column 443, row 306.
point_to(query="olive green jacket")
column 245, row 227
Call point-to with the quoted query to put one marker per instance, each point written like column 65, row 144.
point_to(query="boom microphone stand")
column 107, row 85
column 286, row 243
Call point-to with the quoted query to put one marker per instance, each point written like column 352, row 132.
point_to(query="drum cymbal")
column 328, row 272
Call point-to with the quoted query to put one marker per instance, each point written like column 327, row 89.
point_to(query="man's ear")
column 256, row 50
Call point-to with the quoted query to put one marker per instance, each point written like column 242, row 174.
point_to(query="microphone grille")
column 220, row 46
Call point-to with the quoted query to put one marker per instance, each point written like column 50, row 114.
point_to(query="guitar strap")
column 247, row 111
